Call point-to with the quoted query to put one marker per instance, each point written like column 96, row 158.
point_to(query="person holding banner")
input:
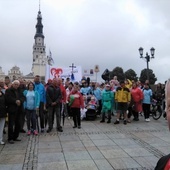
column 76, row 102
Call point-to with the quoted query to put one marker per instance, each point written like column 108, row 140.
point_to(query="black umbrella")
column 45, row 117
column 37, row 122
column 63, row 112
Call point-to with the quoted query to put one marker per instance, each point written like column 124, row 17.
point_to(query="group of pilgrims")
column 39, row 105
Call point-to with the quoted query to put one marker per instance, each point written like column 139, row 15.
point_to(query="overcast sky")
column 107, row 33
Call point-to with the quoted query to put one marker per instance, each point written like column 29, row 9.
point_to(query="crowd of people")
column 23, row 102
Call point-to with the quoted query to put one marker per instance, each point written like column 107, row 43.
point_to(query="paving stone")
column 88, row 143
column 10, row 166
column 11, row 159
column 113, row 153
column 103, row 164
column 78, row 155
column 137, row 151
column 124, row 163
column 106, row 142
column 82, row 165
column 146, row 161
column 52, row 166
column 50, row 157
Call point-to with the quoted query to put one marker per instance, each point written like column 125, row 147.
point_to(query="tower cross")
column 72, row 67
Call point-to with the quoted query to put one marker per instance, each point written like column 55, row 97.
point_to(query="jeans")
column 31, row 119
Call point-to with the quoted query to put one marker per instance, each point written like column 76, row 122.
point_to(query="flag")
column 50, row 59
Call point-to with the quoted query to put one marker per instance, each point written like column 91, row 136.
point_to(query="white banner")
column 88, row 72
column 63, row 72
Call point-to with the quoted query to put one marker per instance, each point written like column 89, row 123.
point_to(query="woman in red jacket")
column 137, row 97
column 76, row 102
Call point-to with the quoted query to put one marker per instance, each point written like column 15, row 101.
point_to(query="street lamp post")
column 147, row 58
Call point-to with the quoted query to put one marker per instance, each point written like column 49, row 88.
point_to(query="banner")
column 63, row 72
column 88, row 72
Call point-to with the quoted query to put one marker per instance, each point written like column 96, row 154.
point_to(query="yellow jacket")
column 122, row 95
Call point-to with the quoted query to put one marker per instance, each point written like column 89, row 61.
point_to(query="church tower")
column 39, row 54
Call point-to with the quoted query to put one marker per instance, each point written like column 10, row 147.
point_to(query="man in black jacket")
column 53, row 98
column 14, row 100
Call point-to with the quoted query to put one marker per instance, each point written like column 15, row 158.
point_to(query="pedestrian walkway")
column 96, row 146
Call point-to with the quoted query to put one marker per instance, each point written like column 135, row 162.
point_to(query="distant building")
column 15, row 73
column 39, row 54
column 2, row 74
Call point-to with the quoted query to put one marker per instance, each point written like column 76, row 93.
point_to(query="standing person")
column 14, row 100
column 98, row 95
column 107, row 103
column 41, row 90
column 76, row 103
column 123, row 98
column 147, row 95
column 3, row 114
column 22, row 87
column 137, row 97
column 63, row 96
column 53, row 98
column 31, row 104
column 7, row 82
column 68, row 91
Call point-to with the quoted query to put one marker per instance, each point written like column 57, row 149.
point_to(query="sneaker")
column 60, row 130
column 29, row 133
column 147, row 120
column 79, row 127
column 2, row 143
column 48, row 130
column 128, row 121
column 108, row 121
column 35, row 132
column 11, row 141
column 116, row 122
column 42, row 130
column 124, row 122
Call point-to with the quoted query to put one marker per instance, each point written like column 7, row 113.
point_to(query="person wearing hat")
column 123, row 98
column 107, row 103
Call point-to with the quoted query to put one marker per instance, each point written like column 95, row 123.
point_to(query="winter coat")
column 53, row 94
column 36, row 101
column 107, row 100
column 122, row 95
column 41, row 90
column 3, row 112
column 11, row 95
column 75, row 99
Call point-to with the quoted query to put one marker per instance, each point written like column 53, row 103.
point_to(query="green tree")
column 131, row 75
column 117, row 71
column 143, row 76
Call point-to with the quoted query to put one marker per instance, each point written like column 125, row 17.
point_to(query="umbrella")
column 37, row 113
column 45, row 117
column 63, row 112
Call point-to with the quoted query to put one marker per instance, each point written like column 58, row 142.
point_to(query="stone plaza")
column 96, row 146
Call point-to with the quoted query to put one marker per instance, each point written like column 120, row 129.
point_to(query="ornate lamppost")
column 147, row 58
